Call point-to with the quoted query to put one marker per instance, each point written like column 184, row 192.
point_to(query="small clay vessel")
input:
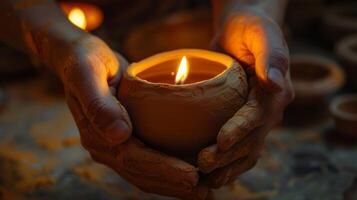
column 182, row 119
column 344, row 110
column 340, row 20
column 314, row 78
column 346, row 50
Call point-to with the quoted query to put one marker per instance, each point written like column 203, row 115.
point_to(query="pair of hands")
column 91, row 72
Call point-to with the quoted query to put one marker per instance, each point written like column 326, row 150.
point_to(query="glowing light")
column 182, row 71
column 78, row 18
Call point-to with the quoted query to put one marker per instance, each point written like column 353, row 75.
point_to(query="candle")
column 165, row 72
column 85, row 16
column 179, row 100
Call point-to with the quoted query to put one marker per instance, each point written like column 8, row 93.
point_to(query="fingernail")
column 117, row 132
column 276, row 78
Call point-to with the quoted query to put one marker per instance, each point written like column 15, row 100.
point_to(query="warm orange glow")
column 78, row 18
column 182, row 71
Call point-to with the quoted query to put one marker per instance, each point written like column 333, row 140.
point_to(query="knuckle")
column 252, row 104
column 280, row 59
column 95, row 108
column 71, row 71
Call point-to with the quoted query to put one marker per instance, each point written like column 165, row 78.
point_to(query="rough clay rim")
column 178, row 54
column 337, row 101
column 344, row 48
column 336, row 76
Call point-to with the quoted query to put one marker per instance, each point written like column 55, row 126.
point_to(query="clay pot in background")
column 344, row 110
column 314, row 78
column 346, row 50
column 187, row 29
column 340, row 20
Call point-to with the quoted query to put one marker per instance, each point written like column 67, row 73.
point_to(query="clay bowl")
column 314, row 78
column 188, row 29
column 344, row 110
column 340, row 20
column 182, row 119
column 346, row 50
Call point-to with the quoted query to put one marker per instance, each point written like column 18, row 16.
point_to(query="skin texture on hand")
column 256, row 41
column 91, row 73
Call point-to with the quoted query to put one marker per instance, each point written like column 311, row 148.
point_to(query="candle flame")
column 182, row 71
column 78, row 18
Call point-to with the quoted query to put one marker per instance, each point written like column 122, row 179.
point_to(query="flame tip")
column 78, row 18
column 182, row 71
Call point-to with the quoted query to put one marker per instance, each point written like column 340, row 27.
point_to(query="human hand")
column 257, row 43
column 91, row 73
column 153, row 171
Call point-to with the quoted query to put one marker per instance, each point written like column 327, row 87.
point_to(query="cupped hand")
column 91, row 71
column 256, row 41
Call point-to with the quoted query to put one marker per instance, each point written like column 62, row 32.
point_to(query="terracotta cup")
column 314, row 78
column 344, row 110
column 182, row 119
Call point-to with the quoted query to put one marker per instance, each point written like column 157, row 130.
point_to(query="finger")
column 210, row 195
column 87, row 79
column 145, row 162
column 244, row 121
column 210, row 158
column 271, row 54
column 250, row 162
column 114, row 81
column 148, row 184
column 89, row 138
column 229, row 173
column 222, row 176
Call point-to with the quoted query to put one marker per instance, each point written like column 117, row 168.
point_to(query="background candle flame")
column 182, row 71
column 78, row 18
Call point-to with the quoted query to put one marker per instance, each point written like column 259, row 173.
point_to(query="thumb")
column 271, row 68
column 271, row 59
column 88, row 81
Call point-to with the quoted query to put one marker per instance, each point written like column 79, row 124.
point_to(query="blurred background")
column 312, row 155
